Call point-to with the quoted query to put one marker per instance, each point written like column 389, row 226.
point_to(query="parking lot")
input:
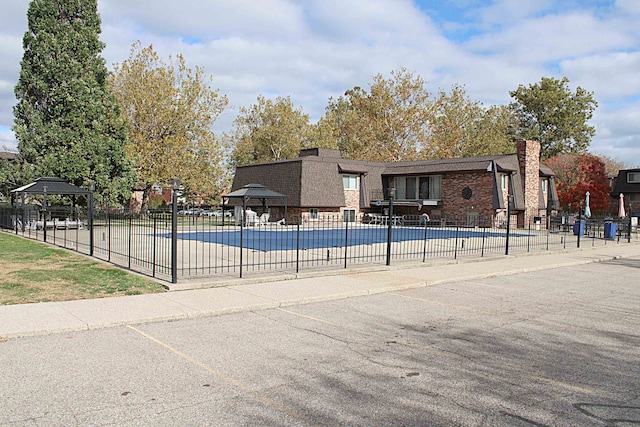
column 548, row 348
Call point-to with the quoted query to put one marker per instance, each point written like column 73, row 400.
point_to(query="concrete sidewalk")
column 236, row 296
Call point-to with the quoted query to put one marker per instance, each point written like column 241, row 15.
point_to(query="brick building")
column 320, row 184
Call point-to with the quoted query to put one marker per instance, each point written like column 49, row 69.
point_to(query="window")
column 313, row 214
column 424, row 188
column 405, row 187
column 350, row 182
column 504, row 181
column 435, row 187
column 634, row 197
column 349, row 215
column 633, row 177
column 543, row 185
column 414, row 188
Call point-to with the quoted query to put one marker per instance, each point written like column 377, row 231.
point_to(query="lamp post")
column 175, row 186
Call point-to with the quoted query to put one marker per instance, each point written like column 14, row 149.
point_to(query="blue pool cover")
column 271, row 240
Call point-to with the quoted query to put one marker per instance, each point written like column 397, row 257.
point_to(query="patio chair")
column 264, row 219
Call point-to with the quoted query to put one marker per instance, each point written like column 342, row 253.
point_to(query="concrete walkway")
column 255, row 294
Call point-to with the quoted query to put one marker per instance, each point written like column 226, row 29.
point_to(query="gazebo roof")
column 254, row 191
column 53, row 185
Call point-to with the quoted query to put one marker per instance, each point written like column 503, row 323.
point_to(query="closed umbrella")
column 587, row 209
column 621, row 212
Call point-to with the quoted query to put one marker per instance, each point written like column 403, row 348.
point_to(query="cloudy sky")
column 312, row 50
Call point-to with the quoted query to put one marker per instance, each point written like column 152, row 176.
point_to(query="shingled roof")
column 53, row 186
column 623, row 185
column 314, row 179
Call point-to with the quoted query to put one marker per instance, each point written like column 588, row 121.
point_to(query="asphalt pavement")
column 271, row 292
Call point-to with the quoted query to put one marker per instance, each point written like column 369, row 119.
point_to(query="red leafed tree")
column 575, row 175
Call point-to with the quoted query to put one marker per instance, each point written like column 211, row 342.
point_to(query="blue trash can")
column 578, row 227
column 610, row 230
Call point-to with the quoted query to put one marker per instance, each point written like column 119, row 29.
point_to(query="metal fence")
column 172, row 247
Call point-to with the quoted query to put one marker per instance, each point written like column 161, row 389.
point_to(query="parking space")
column 546, row 348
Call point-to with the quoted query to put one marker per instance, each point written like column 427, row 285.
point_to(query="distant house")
column 6, row 155
column 628, row 183
column 321, row 184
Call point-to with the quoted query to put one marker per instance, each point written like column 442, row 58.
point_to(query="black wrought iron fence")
column 212, row 245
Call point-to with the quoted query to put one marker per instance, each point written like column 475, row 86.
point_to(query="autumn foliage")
column 575, row 175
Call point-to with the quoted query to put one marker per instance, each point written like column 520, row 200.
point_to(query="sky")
column 312, row 50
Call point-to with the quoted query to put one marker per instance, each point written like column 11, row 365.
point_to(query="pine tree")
column 66, row 121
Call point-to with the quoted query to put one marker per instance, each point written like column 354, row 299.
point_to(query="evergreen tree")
column 66, row 121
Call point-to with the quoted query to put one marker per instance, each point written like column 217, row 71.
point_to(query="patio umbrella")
column 621, row 212
column 587, row 209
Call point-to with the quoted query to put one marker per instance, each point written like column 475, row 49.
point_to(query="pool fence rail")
column 180, row 244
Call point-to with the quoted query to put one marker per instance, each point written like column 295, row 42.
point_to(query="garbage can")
column 537, row 221
column 578, row 227
column 610, row 230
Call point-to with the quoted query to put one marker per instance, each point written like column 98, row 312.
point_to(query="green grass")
column 35, row 272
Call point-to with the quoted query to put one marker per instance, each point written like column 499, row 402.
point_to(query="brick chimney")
column 529, row 161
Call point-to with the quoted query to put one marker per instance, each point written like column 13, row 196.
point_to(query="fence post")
column 455, row 249
column 153, row 254
column 44, row 212
column 390, row 224
column 529, row 237
column 175, row 185
column 15, row 212
column 484, row 232
column 130, row 240
column 506, row 244
column 630, row 224
column 424, row 249
column 108, row 234
column 580, row 223
column 92, row 187
column 243, row 219
column 298, row 245
column 547, row 237
column 346, row 240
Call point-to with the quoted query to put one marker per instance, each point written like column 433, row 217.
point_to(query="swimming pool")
column 263, row 239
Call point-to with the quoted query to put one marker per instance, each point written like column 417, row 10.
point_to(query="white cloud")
column 316, row 49
column 553, row 37
column 610, row 75
column 631, row 7
column 7, row 140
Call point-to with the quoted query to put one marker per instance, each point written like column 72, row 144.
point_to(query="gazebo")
column 256, row 192
column 47, row 186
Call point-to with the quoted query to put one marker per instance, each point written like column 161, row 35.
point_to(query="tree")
column 461, row 127
column 269, row 131
column 613, row 165
column 551, row 114
column 66, row 121
column 577, row 174
column 389, row 123
column 169, row 110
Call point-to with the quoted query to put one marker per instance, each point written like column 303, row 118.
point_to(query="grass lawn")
column 36, row 272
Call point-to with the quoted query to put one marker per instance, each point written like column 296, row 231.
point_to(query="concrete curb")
column 235, row 297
